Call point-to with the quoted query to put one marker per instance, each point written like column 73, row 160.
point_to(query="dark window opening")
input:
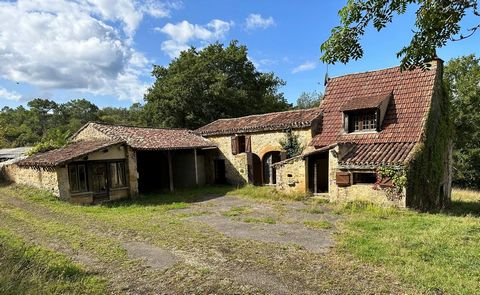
column 77, row 175
column 364, row 177
column 117, row 175
column 241, row 144
column 365, row 120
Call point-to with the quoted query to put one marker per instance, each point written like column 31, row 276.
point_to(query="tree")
column 462, row 81
column 438, row 21
column 308, row 100
column 201, row 86
column 291, row 144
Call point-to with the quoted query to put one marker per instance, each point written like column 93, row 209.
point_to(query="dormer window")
column 365, row 114
column 363, row 120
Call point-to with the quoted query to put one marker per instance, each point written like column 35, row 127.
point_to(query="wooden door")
column 254, row 169
column 100, row 179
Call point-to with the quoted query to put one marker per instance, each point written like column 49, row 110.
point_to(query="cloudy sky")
column 103, row 50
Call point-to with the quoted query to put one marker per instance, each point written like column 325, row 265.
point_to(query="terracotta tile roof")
column 368, row 102
column 378, row 153
column 263, row 122
column 66, row 154
column 141, row 138
column 404, row 120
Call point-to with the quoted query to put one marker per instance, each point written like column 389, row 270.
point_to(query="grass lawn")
column 439, row 253
column 85, row 249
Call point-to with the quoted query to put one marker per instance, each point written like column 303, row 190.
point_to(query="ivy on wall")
column 428, row 169
column 398, row 176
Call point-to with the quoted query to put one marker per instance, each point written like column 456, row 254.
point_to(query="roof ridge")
column 141, row 127
column 264, row 114
column 365, row 72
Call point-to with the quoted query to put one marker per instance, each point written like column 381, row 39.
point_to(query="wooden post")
column 315, row 176
column 196, row 165
column 170, row 171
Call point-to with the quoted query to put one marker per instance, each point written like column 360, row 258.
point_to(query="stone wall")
column 36, row 177
column 132, row 171
column 362, row 192
column 236, row 168
column 292, row 176
column 89, row 133
column 429, row 172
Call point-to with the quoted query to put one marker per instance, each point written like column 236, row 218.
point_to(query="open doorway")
column 152, row 167
column 269, row 173
column 318, row 173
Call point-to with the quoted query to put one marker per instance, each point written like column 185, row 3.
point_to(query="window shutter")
column 343, row 178
column 234, row 145
column 346, row 126
column 248, row 144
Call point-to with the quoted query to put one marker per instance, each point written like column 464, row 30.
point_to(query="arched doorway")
column 269, row 173
column 254, row 169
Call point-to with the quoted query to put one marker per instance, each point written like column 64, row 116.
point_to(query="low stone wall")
column 291, row 176
column 36, row 177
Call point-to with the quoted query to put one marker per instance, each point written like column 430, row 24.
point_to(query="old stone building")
column 381, row 136
column 249, row 146
column 384, row 136
column 109, row 162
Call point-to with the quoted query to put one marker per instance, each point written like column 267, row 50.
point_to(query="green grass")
column 236, row 211
column 313, row 210
column 268, row 220
column 29, row 269
column 265, row 193
column 317, row 224
column 439, row 253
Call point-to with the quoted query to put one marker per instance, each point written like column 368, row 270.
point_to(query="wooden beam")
column 170, row 171
column 315, row 176
column 196, row 165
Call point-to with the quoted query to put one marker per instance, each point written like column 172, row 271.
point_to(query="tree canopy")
column 49, row 124
column 462, row 80
column 308, row 100
column 437, row 22
column 201, row 86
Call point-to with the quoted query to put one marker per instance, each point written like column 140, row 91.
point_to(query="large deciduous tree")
column 437, row 22
column 462, row 80
column 201, row 86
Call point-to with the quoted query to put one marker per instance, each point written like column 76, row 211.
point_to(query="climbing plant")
column 291, row 144
column 399, row 179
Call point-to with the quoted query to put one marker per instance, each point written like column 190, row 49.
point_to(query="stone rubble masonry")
column 292, row 176
column 49, row 179
column 236, row 168
column 89, row 133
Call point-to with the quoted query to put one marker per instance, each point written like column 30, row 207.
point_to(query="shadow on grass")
column 191, row 195
column 463, row 208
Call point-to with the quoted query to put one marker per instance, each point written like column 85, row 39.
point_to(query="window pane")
column 113, row 175
column 117, row 175
column 82, row 178
column 72, row 173
column 121, row 174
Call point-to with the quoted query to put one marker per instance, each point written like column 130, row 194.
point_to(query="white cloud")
column 9, row 95
column 307, row 66
column 183, row 34
column 83, row 45
column 256, row 21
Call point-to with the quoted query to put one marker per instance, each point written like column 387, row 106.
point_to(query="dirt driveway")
column 211, row 245
column 294, row 223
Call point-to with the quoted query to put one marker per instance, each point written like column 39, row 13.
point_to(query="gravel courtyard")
column 200, row 243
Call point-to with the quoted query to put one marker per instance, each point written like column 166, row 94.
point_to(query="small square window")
column 365, row 120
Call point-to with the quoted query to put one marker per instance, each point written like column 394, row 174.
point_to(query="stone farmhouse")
column 381, row 136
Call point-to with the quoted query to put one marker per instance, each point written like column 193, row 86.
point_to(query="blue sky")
column 103, row 50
